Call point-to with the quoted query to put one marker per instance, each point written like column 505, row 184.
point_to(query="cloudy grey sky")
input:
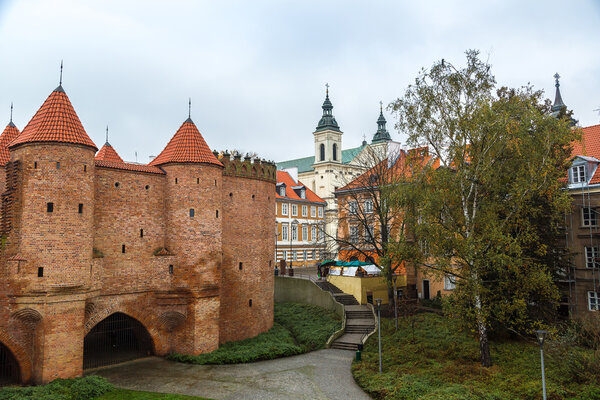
column 256, row 70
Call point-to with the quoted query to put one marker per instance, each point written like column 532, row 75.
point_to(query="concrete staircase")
column 359, row 319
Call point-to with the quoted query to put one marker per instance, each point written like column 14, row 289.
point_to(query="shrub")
column 60, row 389
column 587, row 330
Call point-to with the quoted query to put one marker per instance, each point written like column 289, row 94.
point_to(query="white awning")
column 350, row 271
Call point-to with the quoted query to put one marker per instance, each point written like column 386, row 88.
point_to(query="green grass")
column 86, row 388
column 439, row 362
column 298, row 328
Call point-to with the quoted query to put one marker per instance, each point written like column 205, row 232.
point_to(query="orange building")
column 104, row 261
column 299, row 223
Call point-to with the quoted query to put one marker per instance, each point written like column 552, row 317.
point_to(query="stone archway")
column 115, row 339
column 10, row 372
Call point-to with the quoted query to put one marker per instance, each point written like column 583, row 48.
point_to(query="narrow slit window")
column 123, row 249
column 176, row 181
column 50, row 207
column 80, row 208
column 57, row 165
column 171, row 269
column 141, row 233
column 250, row 303
column 40, row 272
column 241, row 266
column 84, row 168
column 198, row 181
column 35, row 165
column 217, row 213
column 117, row 184
column 192, row 213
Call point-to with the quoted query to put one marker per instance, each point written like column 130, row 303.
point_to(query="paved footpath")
column 323, row 374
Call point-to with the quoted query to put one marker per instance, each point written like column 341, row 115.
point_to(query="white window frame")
column 593, row 301
column 353, row 207
column 305, row 232
column 284, row 209
column 295, row 255
column 282, row 191
column 320, row 212
column 303, row 193
column 305, row 211
column 354, row 234
column 449, row 282
column 314, row 254
column 368, row 206
column 294, row 232
column 578, row 174
column 313, row 211
column 591, row 254
column 313, row 233
column 294, row 210
column 304, row 256
column 592, row 218
column 284, row 232
column 284, row 256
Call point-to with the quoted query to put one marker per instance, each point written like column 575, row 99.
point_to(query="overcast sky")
column 256, row 70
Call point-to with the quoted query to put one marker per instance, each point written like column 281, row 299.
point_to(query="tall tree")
column 502, row 157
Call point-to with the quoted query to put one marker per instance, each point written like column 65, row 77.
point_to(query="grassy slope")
column 298, row 328
column 122, row 394
column 441, row 363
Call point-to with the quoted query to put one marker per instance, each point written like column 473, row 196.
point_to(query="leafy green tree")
column 489, row 212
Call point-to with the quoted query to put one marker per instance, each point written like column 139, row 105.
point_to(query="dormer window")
column 282, row 191
column 302, row 194
column 578, row 174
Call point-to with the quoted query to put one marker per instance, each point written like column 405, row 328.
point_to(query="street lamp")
column 394, row 277
column 378, row 301
column 541, row 336
column 294, row 222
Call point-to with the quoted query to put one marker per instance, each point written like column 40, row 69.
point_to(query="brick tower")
column 194, row 230
column 52, row 232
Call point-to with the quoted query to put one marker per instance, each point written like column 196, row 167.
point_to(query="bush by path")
column 298, row 328
column 435, row 361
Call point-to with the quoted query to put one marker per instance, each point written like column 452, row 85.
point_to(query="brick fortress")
column 104, row 261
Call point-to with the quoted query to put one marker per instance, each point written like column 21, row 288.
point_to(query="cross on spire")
column 190, row 108
column 557, row 77
column 327, row 89
column 11, row 110
column 106, row 133
column 61, row 69
column 381, row 106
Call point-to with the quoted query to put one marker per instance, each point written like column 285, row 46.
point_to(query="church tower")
column 328, row 136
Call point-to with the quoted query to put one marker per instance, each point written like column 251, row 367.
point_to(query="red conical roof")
column 108, row 153
column 55, row 121
column 187, row 146
column 9, row 134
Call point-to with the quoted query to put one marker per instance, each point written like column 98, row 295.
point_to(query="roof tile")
column 129, row 166
column 55, row 121
column 9, row 134
column 186, row 146
column 108, row 153
column 290, row 194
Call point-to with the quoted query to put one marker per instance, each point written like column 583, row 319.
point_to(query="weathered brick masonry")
column 183, row 245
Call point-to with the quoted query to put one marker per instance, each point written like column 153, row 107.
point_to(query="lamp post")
column 394, row 277
column 276, row 269
column 378, row 301
column 292, row 224
column 541, row 336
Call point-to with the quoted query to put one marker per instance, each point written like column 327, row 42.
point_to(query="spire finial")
column 106, row 133
column 61, row 69
column 11, row 110
column 327, row 89
column 557, row 77
column 381, row 106
column 190, row 108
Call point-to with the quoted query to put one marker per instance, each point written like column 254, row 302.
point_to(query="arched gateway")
column 115, row 339
column 9, row 367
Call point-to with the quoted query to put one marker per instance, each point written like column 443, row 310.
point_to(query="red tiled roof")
column 108, row 153
column 128, row 166
column 589, row 146
column 187, row 146
column 55, row 121
column 290, row 194
column 9, row 134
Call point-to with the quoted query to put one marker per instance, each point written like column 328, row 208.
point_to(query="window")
column 116, row 184
column 304, row 255
column 35, row 164
column 354, row 234
column 40, row 272
column 282, row 191
column 176, row 181
column 589, row 216
column 123, row 249
column 217, row 213
column 49, row 207
column 314, row 254
column 320, row 212
column 294, row 210
column 284, row 255
column 80, row 208
column 302, row 193
column 449, row 282
column 294, row 232
column 197, row 181
column 147, row 187
column 57, row 165
column 171, row 269
column 305, row 232
column 313, row 211
column 84, row 168
column 241, row 265
column 295, row 255
column 250, row 303
column 353, row 206
column 370, row 229
column 591, row 254
column 313, row 232
column 369, row 206
column 141, row 233
column 192, row 213
column 334, row 152
column 593, row 301
column 304, row 211
column 578, row 174
column 321, row 152
column 284, row 232
column 284, row 209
